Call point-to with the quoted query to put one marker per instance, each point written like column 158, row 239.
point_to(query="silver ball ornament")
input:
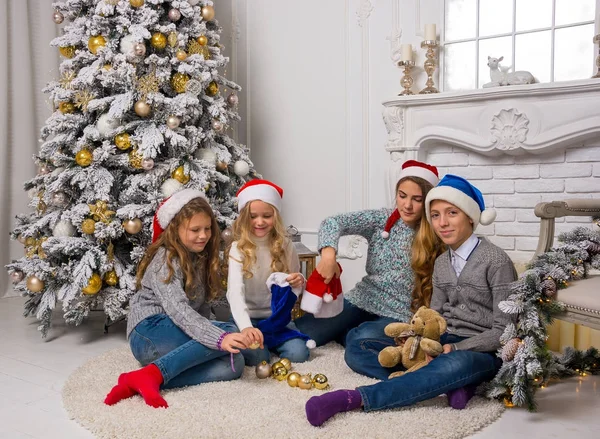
column 241, row 168
column 233, row 100
column 132, row 226
column 147, row 164
column 263, row 370
column 142, row 108
column 43, row 169
column 106, row 124
column 217, row 125
column 58, row 17
column 59, row 199
column 206, row 154
column 173, row 122
column 63, row 228
column 174, row 14
column 139, row 49
column 16, row 276
column 227, row 235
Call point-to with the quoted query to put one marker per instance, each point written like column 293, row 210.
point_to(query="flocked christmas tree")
column 142, row 110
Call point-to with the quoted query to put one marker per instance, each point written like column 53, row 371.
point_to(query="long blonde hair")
column 426, row 247
column 197, row 268
column 243, row 236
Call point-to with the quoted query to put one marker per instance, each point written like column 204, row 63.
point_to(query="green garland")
column 527, row 362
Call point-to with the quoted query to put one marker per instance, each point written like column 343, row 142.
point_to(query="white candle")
column 430, row 34
column 407, row 54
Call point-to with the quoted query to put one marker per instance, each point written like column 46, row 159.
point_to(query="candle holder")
column 597, row 41
column 407, row 80
column 429, row 66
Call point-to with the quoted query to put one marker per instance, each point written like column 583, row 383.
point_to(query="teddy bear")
column 414, row 340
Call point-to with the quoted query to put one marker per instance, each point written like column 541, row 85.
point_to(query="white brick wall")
column 513, row 185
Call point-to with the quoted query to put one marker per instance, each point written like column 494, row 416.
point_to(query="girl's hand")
column 447, row 348
column 253, row 335
column 296, row 280
column 234, row 342
column 327, row 266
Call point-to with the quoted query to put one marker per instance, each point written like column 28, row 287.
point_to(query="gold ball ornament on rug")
column 94, row 285
column 88, row 226
column 142, row 108
column 136, row 3
column 254, row 345
column 180, row 175
column 280, row 373
column 305, row 382
column 67, row 51
column 212, row 89
column 207, row 12
column 158, row 40
column 84, row 157
column 95, row 43
column 277, row 365
column 111, row 278
column 286, row 363
column 66, row 107
column 179, row 81
column 35, row 284
column 122, row 141
column 263, row 370
column 133, row 226
column 293, row 379
column 320, row 382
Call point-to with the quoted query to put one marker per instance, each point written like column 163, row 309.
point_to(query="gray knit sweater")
column 156, row 297
column 470, row 303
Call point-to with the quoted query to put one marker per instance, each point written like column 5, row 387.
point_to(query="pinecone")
column 593, row 248
column 549, row 288
column 578, row 272
column 510, row 349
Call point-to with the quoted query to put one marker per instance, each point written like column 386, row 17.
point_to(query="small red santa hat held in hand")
column 262, row 190
column 411, row 168
column 170, row 207
column 321, row 299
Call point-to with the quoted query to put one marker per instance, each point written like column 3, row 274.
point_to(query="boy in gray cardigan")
column 469, row 280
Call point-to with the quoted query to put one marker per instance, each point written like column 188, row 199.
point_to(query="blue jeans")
column 322, row 331
column 445, row 373
column 294, row 350
column 182, row 360
column 363, row 345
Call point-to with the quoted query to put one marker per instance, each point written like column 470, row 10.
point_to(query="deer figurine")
column 501, row 75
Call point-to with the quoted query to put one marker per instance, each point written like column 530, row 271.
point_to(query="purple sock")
column 321, row 408
column 458, row 398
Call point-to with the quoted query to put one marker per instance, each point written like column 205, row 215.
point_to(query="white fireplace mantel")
column 512, row 120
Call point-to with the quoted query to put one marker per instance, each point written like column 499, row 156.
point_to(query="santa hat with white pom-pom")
column 171, row 207
column 411, row 168
column 459, row 192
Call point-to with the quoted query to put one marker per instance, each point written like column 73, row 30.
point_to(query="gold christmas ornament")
column 111, row 278
column 320, row 382
column 84, row 157
column 158, row 40
column 293, row 379
column 263, row 370
column 195, row 48
column 136, row 3
column 35, row 284
column 95, row 43
column 172, row 39
column 100, row 212
column 277, row 365
column 132, row 226
column 179, row 81
column 94, row 285
column 208, row 12
column 180, row 175
column 212, row 89
column 254, row 345
column 181, row 55
column 280, row 373
column 142, row 108
column 202, row 40
column 148, row 84
column 221, row 166
column 66, row 107
column 508, row 402
column 135, row 159
column 34, row 246
column 122, row 141
column 67, row 51
column 88, row 226
column 286, row 363
column 83, row 98
column 305, row 382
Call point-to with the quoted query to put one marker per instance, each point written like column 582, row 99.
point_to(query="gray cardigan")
column 470, row 303
column 157, row 297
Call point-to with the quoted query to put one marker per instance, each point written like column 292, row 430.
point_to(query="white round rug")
column 254, row 408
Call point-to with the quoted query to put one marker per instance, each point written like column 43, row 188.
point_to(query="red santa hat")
column 321, row 299
column 411, row 168
column 171, row 207
column 262, row 190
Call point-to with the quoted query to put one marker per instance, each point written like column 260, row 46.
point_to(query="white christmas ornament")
column 107, row 124
column 206, row 154
column 57, row 171
column 127, row 46
column 241, row 168
column 63, row 228
column 169, row 187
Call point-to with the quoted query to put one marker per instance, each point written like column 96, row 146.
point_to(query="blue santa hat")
column 459, row 192
column 283, row 298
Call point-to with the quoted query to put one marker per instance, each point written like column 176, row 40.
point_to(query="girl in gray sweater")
column 469, row 281
column 168, row 325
